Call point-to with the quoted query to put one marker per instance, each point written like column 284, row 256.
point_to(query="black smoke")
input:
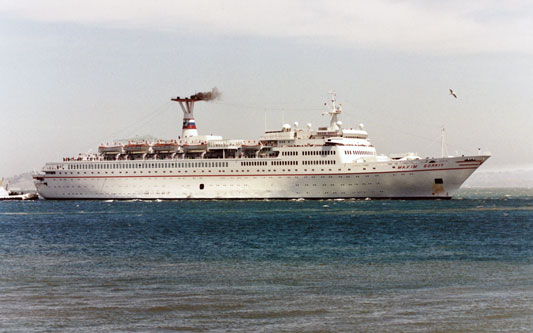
column 207, row 96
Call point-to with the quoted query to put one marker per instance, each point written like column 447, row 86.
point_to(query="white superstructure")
column 294, row 162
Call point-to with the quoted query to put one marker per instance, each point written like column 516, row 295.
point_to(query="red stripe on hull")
column 259, row 175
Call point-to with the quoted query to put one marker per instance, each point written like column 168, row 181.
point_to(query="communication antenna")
column 333, row 111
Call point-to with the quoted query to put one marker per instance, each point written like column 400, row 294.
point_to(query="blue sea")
column 269, row 266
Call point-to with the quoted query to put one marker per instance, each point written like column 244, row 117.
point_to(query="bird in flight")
column 453, row 94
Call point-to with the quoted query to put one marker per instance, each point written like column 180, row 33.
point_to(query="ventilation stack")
column 189, row 124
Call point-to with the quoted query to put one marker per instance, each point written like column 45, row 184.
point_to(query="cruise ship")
column 289, row 163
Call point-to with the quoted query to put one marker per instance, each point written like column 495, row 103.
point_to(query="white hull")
column 331, row 162
column 414, row 179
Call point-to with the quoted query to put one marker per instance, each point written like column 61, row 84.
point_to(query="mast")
column 442, row 142
column 333, row 112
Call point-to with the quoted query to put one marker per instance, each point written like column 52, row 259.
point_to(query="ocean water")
column 269, row 266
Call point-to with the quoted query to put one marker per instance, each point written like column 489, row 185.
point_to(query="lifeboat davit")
column 137, row 148
column 165, row 146
column 195, row 146
column 251, row 145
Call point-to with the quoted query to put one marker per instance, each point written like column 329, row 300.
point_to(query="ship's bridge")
column 355, row 133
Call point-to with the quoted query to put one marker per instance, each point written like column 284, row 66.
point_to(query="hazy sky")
column 74, row 74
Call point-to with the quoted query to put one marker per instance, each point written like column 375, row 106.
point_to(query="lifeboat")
column 251, row 145
column 165, row 146
column 137, row 148
column 106, row 149
column 195, row 146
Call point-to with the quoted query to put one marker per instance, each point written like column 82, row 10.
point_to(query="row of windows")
column 254, row 163
column 319, row 162
column 358, row 152
column 289, row 153
column 319, row 152
column 284, row 163
column 146, row 165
